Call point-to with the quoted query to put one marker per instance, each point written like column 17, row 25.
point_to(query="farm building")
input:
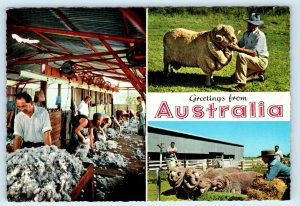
column 65, row 68
column 191, row 146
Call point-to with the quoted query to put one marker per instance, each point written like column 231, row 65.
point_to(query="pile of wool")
column 139, row 143
column 105, row 145
column 125, row 136
column 41, row 174
column 100, row 136
column 111, row 133
column 262, row 189
column 106, row 186
column 81, row 152
column 138, row 154
column 110, row 159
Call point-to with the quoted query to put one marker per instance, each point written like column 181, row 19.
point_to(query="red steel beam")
column 90, row 68
column 54, row 43
column 140, row 87
column 77, row 34
column 73, row 28
column 67, row 57
column 24, row 57
column 134, row 19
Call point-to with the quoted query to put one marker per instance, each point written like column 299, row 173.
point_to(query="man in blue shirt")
column 276, row 169
column 252, row 59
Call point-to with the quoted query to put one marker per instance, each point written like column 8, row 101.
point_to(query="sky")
column 255, row 136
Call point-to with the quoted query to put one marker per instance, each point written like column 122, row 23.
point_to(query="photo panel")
column 76, row 88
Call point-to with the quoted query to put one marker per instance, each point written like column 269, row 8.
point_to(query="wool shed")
column 191, row 146
column 60, row 58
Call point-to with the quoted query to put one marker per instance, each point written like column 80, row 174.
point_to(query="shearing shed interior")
column 191, row 146
column 59, row 56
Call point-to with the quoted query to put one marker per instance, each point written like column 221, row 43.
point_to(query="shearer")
column 252, row 59
column 80, row 125
column 110, row 122
column 276, row 169
column 122, row 116
column 83, row 107
column 32, row 125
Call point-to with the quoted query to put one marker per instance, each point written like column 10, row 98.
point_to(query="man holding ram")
column 252, row 59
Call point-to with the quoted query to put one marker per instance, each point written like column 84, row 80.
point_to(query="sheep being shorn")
column 206, row 50
column 237, row 182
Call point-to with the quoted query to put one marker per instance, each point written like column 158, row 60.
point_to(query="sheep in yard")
column 206, row 50
column 206, row 178
column 175, row 177
column 191, row 181
column 237, row 182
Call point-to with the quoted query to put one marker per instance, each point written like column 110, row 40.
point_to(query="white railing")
column 205, row 163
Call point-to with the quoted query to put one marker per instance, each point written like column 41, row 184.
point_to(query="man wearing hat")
column 275, row 167
column 252, row 59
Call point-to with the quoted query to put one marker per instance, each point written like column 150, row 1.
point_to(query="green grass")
column 276, row 28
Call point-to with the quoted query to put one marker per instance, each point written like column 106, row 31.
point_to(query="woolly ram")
column 206, row 50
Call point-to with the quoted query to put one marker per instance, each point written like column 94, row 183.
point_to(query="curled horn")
column 219, row 38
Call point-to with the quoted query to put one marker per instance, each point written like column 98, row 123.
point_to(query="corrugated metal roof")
column 89, row 27
column 186, row 135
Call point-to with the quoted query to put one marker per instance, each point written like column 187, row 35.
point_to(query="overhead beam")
column 67, row 57
column 54, row 43
column 73, row 27
column 134, row 19
column 77, row 34
column 139, row 86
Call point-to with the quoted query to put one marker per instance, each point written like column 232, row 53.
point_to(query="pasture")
column 276, row 28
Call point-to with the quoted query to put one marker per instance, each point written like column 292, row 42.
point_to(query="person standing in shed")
column 32, row 125
column 83, row 107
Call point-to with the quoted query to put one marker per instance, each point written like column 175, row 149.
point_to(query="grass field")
column 276, row 28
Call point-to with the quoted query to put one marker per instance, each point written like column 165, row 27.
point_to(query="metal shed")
column 191, row 146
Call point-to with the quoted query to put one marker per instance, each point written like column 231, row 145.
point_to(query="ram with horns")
column 207, row 50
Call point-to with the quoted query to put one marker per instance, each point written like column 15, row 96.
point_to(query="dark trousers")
column 32, row 144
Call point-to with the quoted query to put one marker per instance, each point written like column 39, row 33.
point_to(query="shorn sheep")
column 206, row 50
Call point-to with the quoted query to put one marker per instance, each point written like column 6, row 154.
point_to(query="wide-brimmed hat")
column 267, row 153
column 254, row 19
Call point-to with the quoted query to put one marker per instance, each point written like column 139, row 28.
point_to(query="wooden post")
column 112, row 104
column 44, row 89
column 242, row 164
column 59, row 94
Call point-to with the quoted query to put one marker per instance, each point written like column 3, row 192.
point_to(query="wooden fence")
column 203, row 164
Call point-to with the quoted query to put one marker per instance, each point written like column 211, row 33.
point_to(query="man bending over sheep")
column 252, row 59
column 276, row 169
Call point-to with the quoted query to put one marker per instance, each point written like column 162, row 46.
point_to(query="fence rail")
column 206, row 163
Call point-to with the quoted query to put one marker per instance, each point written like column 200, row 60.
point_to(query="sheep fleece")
column 237, row 182
column 205, row 179
column 188, row 48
